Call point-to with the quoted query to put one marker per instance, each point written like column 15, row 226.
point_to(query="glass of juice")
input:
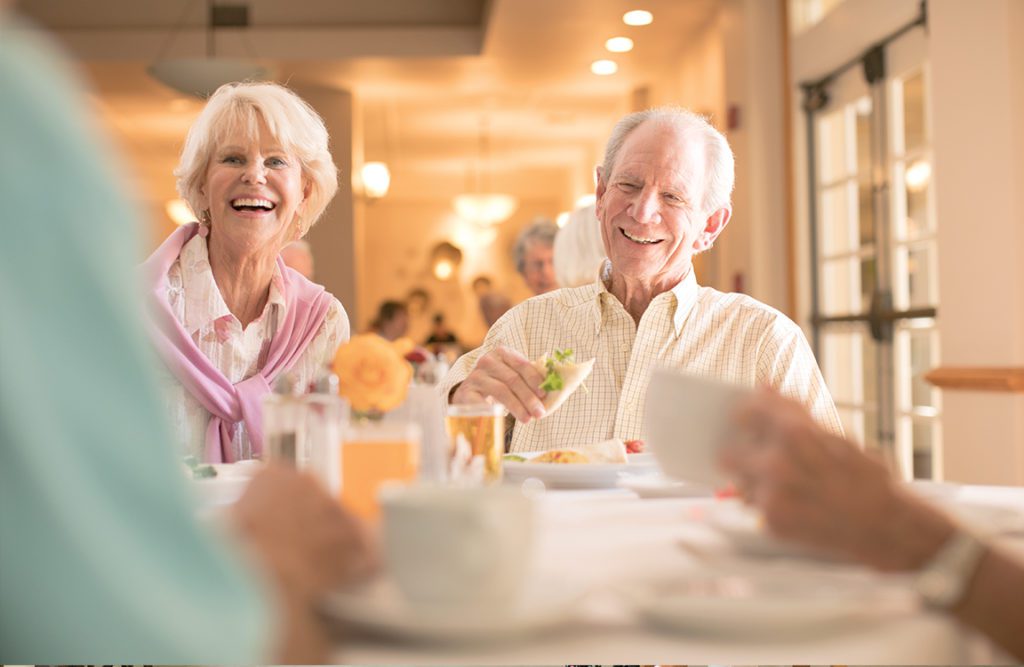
column 373, row 453
column 476, row 442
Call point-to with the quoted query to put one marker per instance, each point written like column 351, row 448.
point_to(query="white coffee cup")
column 686, row 419
column 459, row 549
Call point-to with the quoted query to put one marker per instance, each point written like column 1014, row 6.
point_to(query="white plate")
column 576, row 475
column 380, row 609
column 659, row 486
column 773, row 605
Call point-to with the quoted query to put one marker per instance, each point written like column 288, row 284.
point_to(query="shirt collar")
column 203, row 301
column 682, row 297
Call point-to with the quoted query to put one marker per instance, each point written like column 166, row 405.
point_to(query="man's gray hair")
column 541, row 231
column 719, row 164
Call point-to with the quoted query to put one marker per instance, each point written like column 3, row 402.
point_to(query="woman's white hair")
column 719, row 164
column 291, row 121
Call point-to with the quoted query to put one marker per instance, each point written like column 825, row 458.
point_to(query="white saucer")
column 659, row 486
column 379, row 608
column 779, row 605
column 744, row 529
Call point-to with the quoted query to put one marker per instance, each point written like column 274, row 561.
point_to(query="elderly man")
column 534, row 255
column 662, row 196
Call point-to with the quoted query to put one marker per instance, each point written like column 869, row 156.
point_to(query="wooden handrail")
column 978, row 379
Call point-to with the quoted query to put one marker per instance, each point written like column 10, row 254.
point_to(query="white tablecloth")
column 604, row 540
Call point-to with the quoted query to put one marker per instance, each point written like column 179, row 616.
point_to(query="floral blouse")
column 238, row 353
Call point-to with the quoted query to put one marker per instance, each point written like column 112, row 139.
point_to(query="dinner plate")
column 776, row 604
column 578, row 475
column 380, row 609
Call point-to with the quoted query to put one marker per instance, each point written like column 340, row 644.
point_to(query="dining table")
column 617, row 576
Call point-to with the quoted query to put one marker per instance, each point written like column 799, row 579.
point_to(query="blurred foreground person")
column 820, row 490
column 228, row 317
column 101, row 556
column 534, row 256
column 299, row 256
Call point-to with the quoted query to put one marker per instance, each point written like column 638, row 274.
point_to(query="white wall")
column 977, row 65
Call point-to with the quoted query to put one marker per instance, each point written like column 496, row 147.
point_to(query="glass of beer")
column 373, row 453
column 476, row 442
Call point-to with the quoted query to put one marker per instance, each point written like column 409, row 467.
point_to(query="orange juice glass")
column 372, row 454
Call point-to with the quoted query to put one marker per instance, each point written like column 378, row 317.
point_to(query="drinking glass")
column 373, row 453
column 476, row 442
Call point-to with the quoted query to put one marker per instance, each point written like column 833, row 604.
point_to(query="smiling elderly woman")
column 228, row 316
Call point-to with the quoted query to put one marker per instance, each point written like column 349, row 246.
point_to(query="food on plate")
column 634, row 446
column 562, row 456
column 562, row 376
column 514, row 458
column 606, row 451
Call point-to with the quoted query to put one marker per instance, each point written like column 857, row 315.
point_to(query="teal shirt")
column 101, row 557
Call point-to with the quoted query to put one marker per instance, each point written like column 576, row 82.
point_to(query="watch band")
column 943, row 581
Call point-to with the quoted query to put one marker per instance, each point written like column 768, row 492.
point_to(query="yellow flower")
column 372, row 375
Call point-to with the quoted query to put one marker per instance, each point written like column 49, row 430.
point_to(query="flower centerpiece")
column 372, row 375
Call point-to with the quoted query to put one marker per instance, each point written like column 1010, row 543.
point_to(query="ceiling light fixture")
column 638, row 17
column 376, row 179
column 201, row 76
column 604, row 67
column 481, row 206
column 619, row 44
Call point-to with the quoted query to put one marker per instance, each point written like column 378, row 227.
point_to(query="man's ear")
column 713, row 226
column 600, row 189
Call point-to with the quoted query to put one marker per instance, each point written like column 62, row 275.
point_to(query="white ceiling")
column 427, row 73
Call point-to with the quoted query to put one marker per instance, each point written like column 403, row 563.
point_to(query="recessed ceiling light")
column 604, row 67
column 638, row 17
column 619, row 44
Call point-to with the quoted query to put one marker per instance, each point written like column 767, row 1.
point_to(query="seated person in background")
column 579, row 251
column 440, row 335
column 101, row 554
column 662, row 196
column 299, row 256
column 392, row 321
column 820, row 490
column 228, row 316
column 533, row 254
column 492, row 306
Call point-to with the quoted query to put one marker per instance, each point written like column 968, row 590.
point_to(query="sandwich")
column 562, row 376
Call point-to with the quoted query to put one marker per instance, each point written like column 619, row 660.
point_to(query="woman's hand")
column 308, row 545
column 818, row 489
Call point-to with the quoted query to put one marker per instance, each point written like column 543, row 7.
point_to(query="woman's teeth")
column 252, row 203
column 637, row 239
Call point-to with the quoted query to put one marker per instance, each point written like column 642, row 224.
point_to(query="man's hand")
column 307, row 545
column 507, row 377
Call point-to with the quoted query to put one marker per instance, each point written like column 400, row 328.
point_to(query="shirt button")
column 625, row 347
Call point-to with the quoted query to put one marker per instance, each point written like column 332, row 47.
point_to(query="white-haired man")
column 663, row 195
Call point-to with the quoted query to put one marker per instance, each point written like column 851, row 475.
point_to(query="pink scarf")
column 306, row 306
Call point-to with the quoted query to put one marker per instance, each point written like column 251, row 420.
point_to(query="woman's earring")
column 204, row 222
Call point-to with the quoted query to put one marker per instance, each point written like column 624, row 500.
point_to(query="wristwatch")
column 943, row 581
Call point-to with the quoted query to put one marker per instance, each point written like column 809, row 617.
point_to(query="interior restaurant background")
column 464, row 96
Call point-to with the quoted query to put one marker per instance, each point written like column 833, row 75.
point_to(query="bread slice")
column 572, row 375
